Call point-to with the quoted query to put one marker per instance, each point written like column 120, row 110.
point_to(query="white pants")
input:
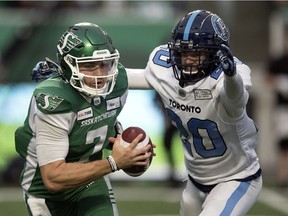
column 232, row 198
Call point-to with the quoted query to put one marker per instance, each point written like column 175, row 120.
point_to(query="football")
column 128, row 135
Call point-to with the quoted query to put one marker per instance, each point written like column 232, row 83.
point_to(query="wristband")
column 112, row 163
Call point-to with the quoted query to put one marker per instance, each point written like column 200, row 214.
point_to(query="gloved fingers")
column 227, row 51
column 43, row 70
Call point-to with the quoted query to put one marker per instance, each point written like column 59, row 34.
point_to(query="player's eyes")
column 104, row 65
column 87, row 66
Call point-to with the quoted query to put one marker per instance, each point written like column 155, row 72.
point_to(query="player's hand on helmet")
column 226, row 60
column 43, row 70
column 129, row 156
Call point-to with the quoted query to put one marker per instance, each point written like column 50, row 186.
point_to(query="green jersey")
column 89, row 123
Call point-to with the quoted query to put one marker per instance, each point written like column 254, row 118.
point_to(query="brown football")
column 128, row 135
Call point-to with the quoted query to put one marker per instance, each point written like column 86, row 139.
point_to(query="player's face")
column 191, row 61
column 95, row 69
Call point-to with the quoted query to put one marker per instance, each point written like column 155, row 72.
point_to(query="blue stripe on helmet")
column 189, row 24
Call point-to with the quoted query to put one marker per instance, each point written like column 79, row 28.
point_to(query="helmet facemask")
column 204, row 61
column 102, row 84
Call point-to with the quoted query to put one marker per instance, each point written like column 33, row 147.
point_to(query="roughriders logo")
column 67, row 42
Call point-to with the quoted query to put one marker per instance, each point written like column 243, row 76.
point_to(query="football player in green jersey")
column 71, row 119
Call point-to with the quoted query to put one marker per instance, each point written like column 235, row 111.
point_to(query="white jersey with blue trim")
column 218, row 145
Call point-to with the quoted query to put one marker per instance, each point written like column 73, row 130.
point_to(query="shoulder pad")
column 120, row 67
column 55, row 96
column 48, row 103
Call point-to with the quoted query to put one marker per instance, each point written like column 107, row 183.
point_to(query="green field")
column 146, row 198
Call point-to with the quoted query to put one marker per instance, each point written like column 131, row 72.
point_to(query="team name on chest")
column 184, row 107
column 101, row 112
column 98, row 118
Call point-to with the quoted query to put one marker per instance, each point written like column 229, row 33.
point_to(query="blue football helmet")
column 200, row 34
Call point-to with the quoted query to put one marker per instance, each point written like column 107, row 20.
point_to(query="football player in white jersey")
column 205, row 92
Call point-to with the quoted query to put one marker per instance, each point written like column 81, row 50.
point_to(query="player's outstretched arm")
column 137, row 79
column 233, row 94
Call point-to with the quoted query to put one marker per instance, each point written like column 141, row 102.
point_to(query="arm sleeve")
column 137, row 79
column 52, row 141
column 234, row 95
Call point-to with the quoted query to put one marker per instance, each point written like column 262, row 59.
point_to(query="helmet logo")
column 68, row 41
column 220, row 28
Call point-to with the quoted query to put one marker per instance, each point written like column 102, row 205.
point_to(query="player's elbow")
column 52, row 177
column 52, row 186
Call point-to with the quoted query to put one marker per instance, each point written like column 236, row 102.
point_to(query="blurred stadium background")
column 30, row 31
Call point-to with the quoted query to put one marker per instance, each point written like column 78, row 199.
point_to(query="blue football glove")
column 226, row 60
column 43, row 70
